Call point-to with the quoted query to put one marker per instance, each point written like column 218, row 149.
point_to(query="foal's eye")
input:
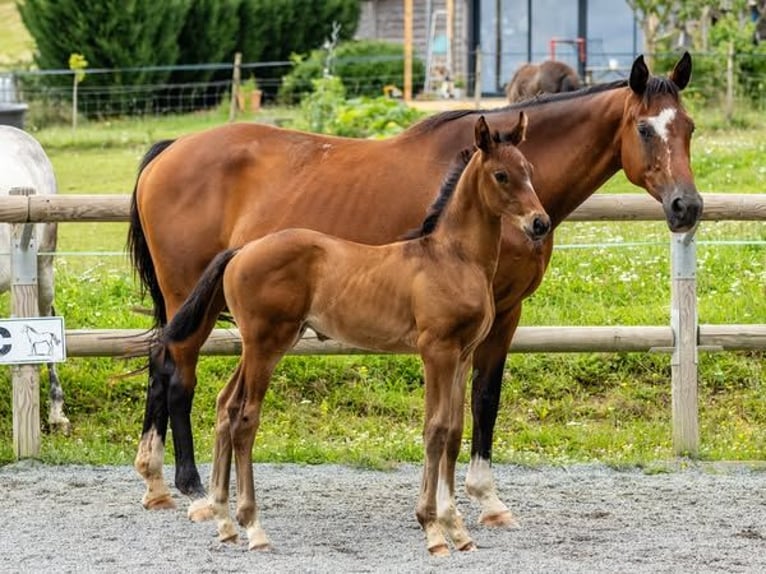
column 501, row 177
column 644, row 130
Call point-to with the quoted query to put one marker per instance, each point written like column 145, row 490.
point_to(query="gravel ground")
column 338, row 519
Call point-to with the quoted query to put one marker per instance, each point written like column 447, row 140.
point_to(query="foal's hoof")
column 440, row 550
column 260, row 547
column 499, row 520
column 200, row 510
column 468, row 547
column 163, row 502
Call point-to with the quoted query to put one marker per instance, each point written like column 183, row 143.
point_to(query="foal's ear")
column 639, row 74
column 682, row 71
column 481, row 135
column 518, row 133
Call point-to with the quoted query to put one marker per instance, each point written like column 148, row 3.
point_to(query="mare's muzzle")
column 683, row 208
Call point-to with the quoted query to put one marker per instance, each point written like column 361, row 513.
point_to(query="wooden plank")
column 79, row 208
column 564, row 339
column 599, row 207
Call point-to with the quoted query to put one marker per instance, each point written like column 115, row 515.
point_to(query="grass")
column 367, row 410
column 16, row 44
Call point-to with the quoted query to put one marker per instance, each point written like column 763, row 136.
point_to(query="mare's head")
column 505, row 178
column 655, row 140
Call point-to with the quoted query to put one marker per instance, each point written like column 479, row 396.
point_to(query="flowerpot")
column 255, row 100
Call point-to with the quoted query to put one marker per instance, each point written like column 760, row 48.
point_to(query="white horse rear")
column 23, row 163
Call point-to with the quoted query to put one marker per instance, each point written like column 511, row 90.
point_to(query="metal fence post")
column 26, row 378
column 683, row 320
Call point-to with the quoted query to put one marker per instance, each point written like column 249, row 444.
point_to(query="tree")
column 109, row 34
column 661, row 18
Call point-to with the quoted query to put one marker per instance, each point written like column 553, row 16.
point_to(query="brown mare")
column 549, row 77
column 431, row 294
column 223, row 187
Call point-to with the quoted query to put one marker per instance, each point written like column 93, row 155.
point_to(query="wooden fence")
column 683, row 338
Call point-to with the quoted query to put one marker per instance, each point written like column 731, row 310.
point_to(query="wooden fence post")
column 236, row 76
column 26, row 378
column 683, row 320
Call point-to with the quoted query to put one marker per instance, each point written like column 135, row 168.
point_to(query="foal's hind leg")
column 216, row 505
column 245, row 416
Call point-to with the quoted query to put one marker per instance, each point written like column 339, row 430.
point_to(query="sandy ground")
column 338, row 519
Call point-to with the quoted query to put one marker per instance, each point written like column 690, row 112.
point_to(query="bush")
column 325, row 110
column 364, row 66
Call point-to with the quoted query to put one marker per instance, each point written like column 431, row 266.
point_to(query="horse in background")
column 549, row 77
column 23, row 163
column 431, row 294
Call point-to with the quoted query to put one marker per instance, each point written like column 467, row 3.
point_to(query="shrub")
column 325, row 110
column 364, row 66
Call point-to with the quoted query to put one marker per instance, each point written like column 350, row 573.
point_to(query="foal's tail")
column 139, row 250
column 190, row 315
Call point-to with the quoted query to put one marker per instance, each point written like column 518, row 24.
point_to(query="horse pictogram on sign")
column 32, row 340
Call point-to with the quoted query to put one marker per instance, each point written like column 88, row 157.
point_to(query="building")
column 510, row 33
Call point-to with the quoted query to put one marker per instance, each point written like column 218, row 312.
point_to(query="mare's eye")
column 644, row 130
column 501, row 177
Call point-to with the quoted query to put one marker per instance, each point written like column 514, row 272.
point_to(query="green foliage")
column 325, row 110
column 109, row 34
column 364, row 66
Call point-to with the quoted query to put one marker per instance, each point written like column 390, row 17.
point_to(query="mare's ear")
column 639, row 74
column 482, row 137
column 682, row 71
column 518, row 133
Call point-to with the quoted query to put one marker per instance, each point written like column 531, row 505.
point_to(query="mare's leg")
column 489, row 362
column 440, row 362
column 151, row 448
column 245, row 417
column 217, row 504
column 449, row 516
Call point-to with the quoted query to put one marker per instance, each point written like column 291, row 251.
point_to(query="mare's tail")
column 139, row 250
column 194, row 310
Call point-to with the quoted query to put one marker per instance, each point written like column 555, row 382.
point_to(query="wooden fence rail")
column 683, row 338
column 603, row 207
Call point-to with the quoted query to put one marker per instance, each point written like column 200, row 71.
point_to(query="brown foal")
column 431, row 294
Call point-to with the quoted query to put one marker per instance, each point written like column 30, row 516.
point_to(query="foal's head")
column 505, row 178
column 656, row 135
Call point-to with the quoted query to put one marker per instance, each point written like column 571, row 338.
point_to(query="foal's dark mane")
column 446, row 191
column 654, row 85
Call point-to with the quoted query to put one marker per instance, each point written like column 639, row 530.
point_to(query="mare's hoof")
column 260, row 547
column 499, row 520
column 440, row 550
column 164, row 502
column 200, row 510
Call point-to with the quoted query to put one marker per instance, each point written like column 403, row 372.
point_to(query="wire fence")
column 719, row 79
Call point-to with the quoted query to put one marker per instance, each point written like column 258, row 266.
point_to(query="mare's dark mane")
column 655, row 85
column 445, row 193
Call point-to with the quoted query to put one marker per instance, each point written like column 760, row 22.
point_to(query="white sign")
column 32, row 340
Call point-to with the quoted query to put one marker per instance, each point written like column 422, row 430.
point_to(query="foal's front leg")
column 449, row 516
column 440, row 362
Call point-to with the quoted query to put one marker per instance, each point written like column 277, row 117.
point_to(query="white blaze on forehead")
column 661, row 121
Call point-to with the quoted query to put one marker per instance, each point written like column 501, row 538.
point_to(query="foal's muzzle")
column 539, row 226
